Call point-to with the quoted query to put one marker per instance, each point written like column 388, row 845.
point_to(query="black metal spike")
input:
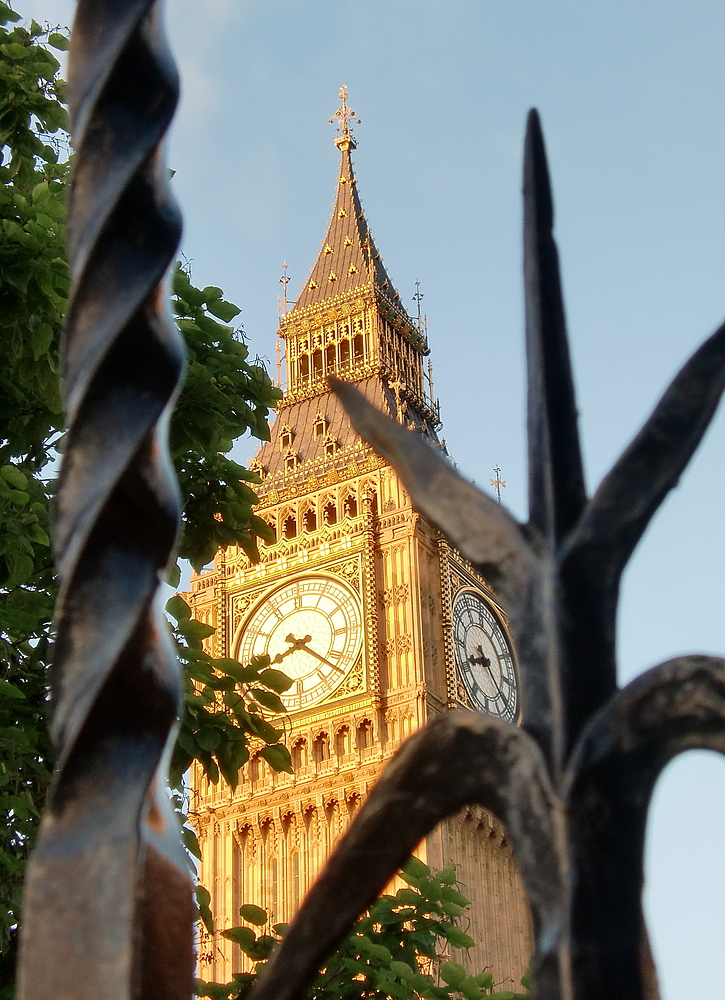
column 556, row 477
column 458, row 758
column 651, row 466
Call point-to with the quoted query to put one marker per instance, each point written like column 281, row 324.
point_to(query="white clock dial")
column 485, row 658
column 311, row 628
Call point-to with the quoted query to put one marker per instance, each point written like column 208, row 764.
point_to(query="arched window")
column 305, row 366
column 350, row 506
column 342, row 741
column 317, row 363
column 255, row 768
column 319, row 427
column 273, row 900
column 330, row 357
column 285, row 438
column 299, row 754
column 344, row 352
column 357, row 347
column 289, row 526
column 309, row 520
column 273, row 538
column 365, row 735
column 329, row 512
column 295, row 880
column 321, row 748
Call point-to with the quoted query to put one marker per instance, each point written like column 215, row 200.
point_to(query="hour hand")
column 295, row 644
column 318, row 656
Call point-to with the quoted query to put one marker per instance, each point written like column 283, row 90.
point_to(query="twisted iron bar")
column 573, row 784
column 108, row 911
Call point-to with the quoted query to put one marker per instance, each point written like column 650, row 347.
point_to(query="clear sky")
column 631, row 97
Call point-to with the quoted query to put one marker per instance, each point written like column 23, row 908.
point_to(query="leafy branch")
column 399, row 950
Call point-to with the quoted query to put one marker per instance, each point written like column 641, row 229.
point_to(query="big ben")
column 378, row 623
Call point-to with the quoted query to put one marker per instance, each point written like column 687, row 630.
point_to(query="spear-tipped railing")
column 572, row 785
column 108, row 907
column 108, row 910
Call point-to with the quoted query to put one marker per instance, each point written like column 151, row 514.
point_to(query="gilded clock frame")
column 462, row 577
column 348, row 569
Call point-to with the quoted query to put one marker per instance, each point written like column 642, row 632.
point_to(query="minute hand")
column 322, row 659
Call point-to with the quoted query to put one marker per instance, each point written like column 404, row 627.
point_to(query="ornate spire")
column 349, row 259
column 346, row 139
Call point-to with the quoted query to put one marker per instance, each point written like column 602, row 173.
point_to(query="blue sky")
column 631, row 97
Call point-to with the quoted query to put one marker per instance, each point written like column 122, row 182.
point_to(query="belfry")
column 362, row 603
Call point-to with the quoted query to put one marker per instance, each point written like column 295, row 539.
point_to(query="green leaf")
column 38, row 535
column 416, row 868
column 14, row 477
column 223, row 310
column 277, row 756
column 58, row 41
column 456, row 936
column 243, row 936
column 268, row 699
column 8, row 690
column 208, row 738
column 253, row 914
column 452, row 973
column 447, row 876
column 203, row 902
column 275, row 680
column 190, row 842
column 402, row 970
column 451, row 895
column 194, row 630
column 177, row 607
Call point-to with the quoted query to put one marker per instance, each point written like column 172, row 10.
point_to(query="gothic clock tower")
column 377, row 621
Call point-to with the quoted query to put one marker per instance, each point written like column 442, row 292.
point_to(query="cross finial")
column 345, row 140
column 417, row 298
column 284, row 281
column 498, row 483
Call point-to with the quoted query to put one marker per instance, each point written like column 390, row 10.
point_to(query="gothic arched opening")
column 321, row 748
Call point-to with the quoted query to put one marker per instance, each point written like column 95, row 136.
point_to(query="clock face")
column 485, row 659
column 311, row 628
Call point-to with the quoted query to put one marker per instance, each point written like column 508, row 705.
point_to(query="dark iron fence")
column 108, row 910
column 108, row 904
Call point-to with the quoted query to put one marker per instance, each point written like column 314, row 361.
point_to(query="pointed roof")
column 348, row 259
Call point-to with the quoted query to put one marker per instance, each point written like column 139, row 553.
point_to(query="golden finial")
column 498, row 483
column 345, row 140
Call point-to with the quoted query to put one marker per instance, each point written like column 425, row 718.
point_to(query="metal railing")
column 108, row 903
column 108, row 908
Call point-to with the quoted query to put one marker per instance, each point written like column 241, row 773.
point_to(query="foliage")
column 224, row 395
column 33, row 291
column 400, row 949
column 226, row 705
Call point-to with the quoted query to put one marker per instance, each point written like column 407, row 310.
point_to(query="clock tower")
column 362, row 603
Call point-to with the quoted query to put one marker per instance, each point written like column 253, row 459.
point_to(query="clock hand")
column 301, row 644
column 483, row 660
column 313, row 652
column 295, row 645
